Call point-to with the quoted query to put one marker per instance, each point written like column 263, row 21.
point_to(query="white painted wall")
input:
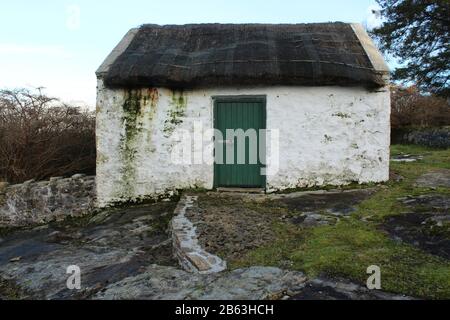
column 328, row 135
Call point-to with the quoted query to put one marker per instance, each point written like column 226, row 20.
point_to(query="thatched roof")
column 215, row 55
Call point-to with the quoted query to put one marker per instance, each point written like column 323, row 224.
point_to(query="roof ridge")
column 151, row 25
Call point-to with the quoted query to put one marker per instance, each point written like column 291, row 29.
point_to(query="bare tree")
column 410, row 108
column 42, row 137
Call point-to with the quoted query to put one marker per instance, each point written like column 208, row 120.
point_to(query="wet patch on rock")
column 435, row 179
column 426, row 226
column 323, row 289
column 107, row 247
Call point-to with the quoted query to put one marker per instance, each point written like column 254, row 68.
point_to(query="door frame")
column 240, row 98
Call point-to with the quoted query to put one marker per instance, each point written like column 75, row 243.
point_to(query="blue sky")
column 59, row 44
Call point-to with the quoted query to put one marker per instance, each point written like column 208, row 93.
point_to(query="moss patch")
column 5, row 231
column 176, row 112
column 10, row 291
column 132, row 124
column 347, row 250
column 3, row 187
column 134, row 110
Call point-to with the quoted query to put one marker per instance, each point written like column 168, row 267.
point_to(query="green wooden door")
column 236, row 169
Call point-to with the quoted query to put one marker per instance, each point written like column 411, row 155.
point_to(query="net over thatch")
column 214, row 55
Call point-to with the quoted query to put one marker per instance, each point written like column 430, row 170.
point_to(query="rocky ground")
column 402, row 226
column 127, row 254
column 426, row 221
column 299, row 245
column 341, row 289
column 107, row 247
column 253, row 283
column 233, row 224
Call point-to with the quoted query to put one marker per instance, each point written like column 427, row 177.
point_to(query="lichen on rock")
column 33, row 203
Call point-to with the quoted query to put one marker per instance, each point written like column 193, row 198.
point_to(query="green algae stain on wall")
column 139, row 110
column 177, row 111
column 151, row 103
column 151, row 99
column 138, row 119
column 132, row 127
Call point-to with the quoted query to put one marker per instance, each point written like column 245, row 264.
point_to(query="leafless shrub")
column 41, row 137
column 410, row 108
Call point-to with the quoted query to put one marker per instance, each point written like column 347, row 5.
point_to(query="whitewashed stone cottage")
column 322, row 88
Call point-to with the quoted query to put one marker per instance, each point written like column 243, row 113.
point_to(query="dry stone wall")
column 187, row 249
column 430, row 137
column 40, row 202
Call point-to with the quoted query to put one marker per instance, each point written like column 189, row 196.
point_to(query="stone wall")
column 186, row 247
column 430, row 137
column 328, row 136
column 34, row 202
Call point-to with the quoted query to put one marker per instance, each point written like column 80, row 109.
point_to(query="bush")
column 410, row 108
column 41, row 137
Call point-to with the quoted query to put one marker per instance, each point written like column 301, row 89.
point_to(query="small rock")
column 78, row 176
column 16, row 259
column 406, row 158
column 58, row 236
column 396, row 177
column 434, row 179
column 3, row 186
column 199, row 263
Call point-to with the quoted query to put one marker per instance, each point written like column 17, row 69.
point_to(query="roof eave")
column 117, row 51
column 376, row 58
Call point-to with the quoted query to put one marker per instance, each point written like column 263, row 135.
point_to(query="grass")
column 385, row 202
column 347, row 250
column 350, row 247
